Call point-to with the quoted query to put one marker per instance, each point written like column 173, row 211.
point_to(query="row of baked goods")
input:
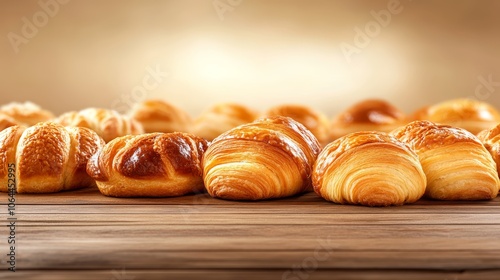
column 271, row 157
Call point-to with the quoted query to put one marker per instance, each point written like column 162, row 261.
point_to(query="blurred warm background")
column 257, row 52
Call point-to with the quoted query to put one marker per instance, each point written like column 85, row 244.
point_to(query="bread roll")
column 149, row 165
column 26, row 113
column 316, row 122
column 221, row 118
column 457, row 165
column 471, row 115
column 160, row 116
column 108, row 124
column 368, row 168
column 368, row 115
column 269, row 158
column 47, row 156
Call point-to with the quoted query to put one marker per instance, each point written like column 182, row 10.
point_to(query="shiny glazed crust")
column 160, row 116
column 149, row 165
column 269, row 158
column 316, row 122
column 368, row 168
column 457, row 165
column 108, row 124
column 369, row 115
column 48, row 157
column 221, row 118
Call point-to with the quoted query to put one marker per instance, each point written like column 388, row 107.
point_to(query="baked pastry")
column 108, row 124
column 457, row 165
column 160, row 116
column 269, row 158
column 368, row 115
column 221, row 118
column 26, row 113
column 491, row 141
column 7, row 121
column 472, row 115
column 316, row 122
column 368, row 168
column 149, row 165
column 48, row 157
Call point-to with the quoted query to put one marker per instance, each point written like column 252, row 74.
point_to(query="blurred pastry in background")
column 7, row 121
column 160, row 116
column 220, row 118
column 26, row 113
column 491, row 141
column 316, row 122
column 108, row 124
column 368, row 115
column 472, row 115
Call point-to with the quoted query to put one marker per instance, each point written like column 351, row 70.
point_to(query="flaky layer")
column 368, row 168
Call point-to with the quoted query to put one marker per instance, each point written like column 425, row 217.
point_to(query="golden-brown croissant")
column 368, row 168
column 221, row 118
column 368, row 115
column 457, row 165
column 491, row 141
column 108, row 124
column 160, row 116
column 472, row 115
column 269, row 158
column 26, row 113
column 47, row 157
column 149, row 165
column 316, row 122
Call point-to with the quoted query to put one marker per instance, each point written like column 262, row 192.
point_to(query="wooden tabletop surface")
column 85, row 235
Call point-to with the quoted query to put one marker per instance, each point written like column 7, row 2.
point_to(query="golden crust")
column 368, row 115
column 471, row 115
column 368, row 168
column 316, row 122
column 269, row 158
column 149, row 165
column 491, row 141
column 108, row 124
column 7, row 121
column 457, row 165
column 48, row 157
column 160, row 116
column 26, row 113
column 221, row 118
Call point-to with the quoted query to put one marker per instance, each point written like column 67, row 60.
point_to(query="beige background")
column 92, row 53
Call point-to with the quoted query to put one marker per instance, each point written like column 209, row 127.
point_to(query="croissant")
column 160, row 116
column 149, row 165
column 108, row 124
column 316, row 122
column 491, row 141
column 368, row 168
column 269, row 158
column 26, row 113
column 471, row 115
column 221, row 118
column 368, row 115
column 457, row 165
column 47, row 157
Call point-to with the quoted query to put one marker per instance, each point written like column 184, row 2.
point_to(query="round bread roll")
column 160, row 116
column 368, row 168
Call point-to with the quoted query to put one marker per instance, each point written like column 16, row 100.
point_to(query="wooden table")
column 84, row 235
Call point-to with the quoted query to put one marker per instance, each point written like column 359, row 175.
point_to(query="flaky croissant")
column 472, row 115
column 368, row 115
column 491, row 141
column 221, row 118
column 316, row 122
column 269, row 158
column 457, row 165
column 26, row 113
column 368, row 168
column 160, row 116
column 108, row 124
column 149, row 165
column 47, row 157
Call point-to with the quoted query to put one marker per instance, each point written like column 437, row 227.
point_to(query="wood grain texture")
column 85, row 235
